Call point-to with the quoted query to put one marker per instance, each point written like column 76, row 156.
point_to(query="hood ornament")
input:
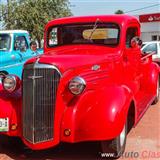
column 37, row 60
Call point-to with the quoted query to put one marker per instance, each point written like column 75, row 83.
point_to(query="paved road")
column 143, row 142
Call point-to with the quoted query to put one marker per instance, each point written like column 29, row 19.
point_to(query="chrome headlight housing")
column 77, row 85
column 9, row 83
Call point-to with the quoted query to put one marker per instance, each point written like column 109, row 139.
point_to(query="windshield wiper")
column 94, row 28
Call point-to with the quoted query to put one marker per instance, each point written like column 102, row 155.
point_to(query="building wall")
column 150, row 27
column 149, row 36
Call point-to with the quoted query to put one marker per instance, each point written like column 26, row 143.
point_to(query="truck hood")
column 69, row 58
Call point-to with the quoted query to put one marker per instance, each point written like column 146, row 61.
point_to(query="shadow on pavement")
column 15, row 149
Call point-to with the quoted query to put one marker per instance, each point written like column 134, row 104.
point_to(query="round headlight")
column 9, row 83
column 77, row 85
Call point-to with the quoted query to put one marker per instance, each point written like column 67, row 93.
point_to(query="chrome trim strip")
column 13, row 65
column 40, row 65
column 35, row 77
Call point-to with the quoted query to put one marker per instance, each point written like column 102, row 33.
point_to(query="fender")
column 10, row 107
column 97, row 115
column 151, row 78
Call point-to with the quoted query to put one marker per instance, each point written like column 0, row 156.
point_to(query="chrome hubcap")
column 122, row 136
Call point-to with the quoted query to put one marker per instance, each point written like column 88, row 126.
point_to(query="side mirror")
column 140, row 42
column 136, row 42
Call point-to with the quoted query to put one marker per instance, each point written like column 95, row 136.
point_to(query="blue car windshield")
column 5, row 40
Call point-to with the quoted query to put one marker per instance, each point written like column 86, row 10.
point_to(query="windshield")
column 101, row 33
column 5, row 42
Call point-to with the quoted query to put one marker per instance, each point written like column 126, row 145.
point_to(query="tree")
column 32, row 15
column 119, row 12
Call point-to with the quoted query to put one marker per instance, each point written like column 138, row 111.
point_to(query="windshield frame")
column 92, row 24
column 10, row 39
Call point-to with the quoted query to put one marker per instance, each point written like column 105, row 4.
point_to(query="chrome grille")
column 40, row 83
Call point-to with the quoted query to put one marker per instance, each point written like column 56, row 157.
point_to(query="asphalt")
column 143, row 143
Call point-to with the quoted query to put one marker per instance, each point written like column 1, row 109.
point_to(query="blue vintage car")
column 15, row 51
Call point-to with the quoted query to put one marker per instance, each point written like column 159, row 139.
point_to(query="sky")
column 94, row 7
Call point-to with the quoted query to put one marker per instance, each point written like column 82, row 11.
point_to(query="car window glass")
column 100, row 33
column 103, row 33
column 20, row 42
column 131, row 32
column 5, row 41
column 150, row 48
column 53, row 38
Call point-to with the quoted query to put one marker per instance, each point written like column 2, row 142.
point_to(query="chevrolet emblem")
column 35, row 77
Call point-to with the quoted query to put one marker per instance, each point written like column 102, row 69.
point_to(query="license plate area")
column 4, row 124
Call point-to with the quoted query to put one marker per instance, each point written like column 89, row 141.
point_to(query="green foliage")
column 33, row 15
column 119, row 12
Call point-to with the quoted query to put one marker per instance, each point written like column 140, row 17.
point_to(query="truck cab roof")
column 13, row 31
column 105, row 18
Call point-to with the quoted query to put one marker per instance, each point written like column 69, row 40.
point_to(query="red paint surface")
column 100, row 112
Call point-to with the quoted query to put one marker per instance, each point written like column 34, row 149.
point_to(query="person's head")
column 33, row 46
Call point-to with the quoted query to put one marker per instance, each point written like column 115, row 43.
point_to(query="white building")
column 150, row 26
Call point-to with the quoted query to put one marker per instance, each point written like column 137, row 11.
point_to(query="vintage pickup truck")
column 92, row 84
column 14, row 51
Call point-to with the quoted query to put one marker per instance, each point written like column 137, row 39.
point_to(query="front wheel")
column 115, row 148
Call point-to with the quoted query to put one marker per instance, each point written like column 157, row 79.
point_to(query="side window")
column 150, row 48
column 52, row 37
column 20, row 42
column 131, row 32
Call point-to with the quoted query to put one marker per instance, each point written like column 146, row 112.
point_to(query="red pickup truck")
column 92, row 84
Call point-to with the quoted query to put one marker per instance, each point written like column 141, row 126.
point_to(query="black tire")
column 11, row 145
column 116, row 147
column 157, row 92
